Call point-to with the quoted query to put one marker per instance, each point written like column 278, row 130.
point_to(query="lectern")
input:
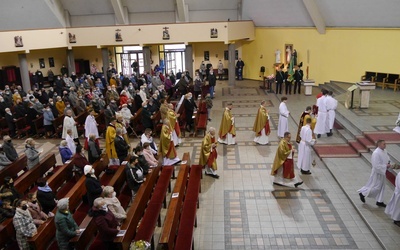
column 365, row 91
column 308, row 83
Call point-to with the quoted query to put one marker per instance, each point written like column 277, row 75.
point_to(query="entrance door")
column 174, row 60
column 128, row 58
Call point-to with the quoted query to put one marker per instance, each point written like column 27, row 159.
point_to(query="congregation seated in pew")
column 113, row 204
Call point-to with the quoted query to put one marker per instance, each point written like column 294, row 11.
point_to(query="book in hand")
column 175, row 195
column 121, row 233
column 81, row 230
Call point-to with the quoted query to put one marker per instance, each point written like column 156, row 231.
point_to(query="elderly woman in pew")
column 66, row 227
column 113, row 204
column 23, row 224
column 93, row 186
column 4, row 161
column 65, row 152
column 45, row 197
column 31, row 153
column 107, row 224
column 38, row 216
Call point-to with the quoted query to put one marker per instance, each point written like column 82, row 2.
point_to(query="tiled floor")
column 243, row 210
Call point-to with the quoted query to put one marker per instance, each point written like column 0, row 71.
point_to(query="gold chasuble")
column 208, row 155
column 167, row 147
column 227, row 125
column 261, row 122
column 284, row 150
column 110, row 146
column 171, row 115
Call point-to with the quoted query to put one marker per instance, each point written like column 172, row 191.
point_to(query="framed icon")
column 206, row 55
column 214, row 33
column 42, row 63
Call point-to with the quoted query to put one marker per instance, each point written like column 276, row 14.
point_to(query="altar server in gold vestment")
column 261, row 125
column 110, row 137
column 306, row 114
column 283, row 167
column 167, row 147
column 227, row 130
column 208, row 155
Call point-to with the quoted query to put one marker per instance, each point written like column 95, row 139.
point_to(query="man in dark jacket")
column 146, row 116
column 190, row 106
column 9, row 149
column 280, row 78
column 298, row 78
column 134, row 175
column 121, row 147
column 212, row 80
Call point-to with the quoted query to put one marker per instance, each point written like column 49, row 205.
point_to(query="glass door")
column 127, row 59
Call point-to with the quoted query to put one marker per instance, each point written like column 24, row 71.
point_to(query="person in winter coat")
column 23, row 224
column 93, row 186
column 45, row 197
column 31, row 153
column 65, row 152
column 66, row 227
column 113, row 204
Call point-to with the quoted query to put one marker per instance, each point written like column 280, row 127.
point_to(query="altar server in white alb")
column 69, row 123
column 393, row 207
column 331, row 106
column 91, row 125
column 283, row 124
column 375, row 187
column 321, row 127
column 304, row 158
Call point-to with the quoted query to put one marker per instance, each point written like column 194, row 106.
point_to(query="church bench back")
column 13, row 169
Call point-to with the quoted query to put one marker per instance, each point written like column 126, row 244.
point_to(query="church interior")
column 339, row 43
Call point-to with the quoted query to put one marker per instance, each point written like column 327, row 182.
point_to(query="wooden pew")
column 46, row 231
column 13, row 169
column 81, row 241
column 22, row 127
column 135, row 212
column 39, row 127
column 200, row 123
column 152, row 214
column 58, row 124
column 24, row 182
column 62, row 175
column 188, row 220
column 171, row 223
column 80, row 120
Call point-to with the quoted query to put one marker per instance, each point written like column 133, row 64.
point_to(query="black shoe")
column 319, row 136
column 306, row 172
column 397, row 223
column 381, row 204
column 215, row 176
column 362, row 197
column 209, row 119
column 298, row 184
column 177, row 163
column 330, row 134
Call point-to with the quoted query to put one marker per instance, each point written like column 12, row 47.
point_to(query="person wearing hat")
column 4, row 161
column 66, row 227
column 93, row 185
column 9, row 149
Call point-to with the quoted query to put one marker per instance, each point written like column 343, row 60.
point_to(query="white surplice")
column 375, row 186
column 321, row 127
column 91, row 126
column 304, row 158
column 331, row 106
column 69, row 123
column 393, row 207
column 71, row 144
column 262, row 139
column 283, row 125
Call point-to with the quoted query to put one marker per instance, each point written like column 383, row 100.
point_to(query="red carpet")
column 388, row 136
column 336, row 151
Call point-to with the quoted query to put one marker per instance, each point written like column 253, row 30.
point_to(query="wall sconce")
column 139, row 29
column 261, row 56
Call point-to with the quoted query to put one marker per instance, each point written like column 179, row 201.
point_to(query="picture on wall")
column 214, row 33
column 165, row 34
column 51, row 62
column 72, row 38
column 118, row 35
column 42, row 63
column 288, row 53
column 18, row 41
column 206, row 55
column 226, row 55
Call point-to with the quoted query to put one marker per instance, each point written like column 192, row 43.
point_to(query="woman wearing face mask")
column 66, row 227
column 46, row 197
column 23, row 224
column 93, row 186
column 38, row 216
column 48, row 118
column 31, row 153
column 107, row 225
column 114, row 204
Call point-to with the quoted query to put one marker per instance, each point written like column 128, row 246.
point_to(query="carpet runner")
column 336, row 151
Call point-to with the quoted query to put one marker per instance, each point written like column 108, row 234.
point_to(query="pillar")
column 106, row 61
column 189, row 59
column 231, row 63
column 70, row 61
column 147, row 59
column 23, row 67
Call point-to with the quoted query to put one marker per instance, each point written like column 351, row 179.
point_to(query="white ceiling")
column 33, row 14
